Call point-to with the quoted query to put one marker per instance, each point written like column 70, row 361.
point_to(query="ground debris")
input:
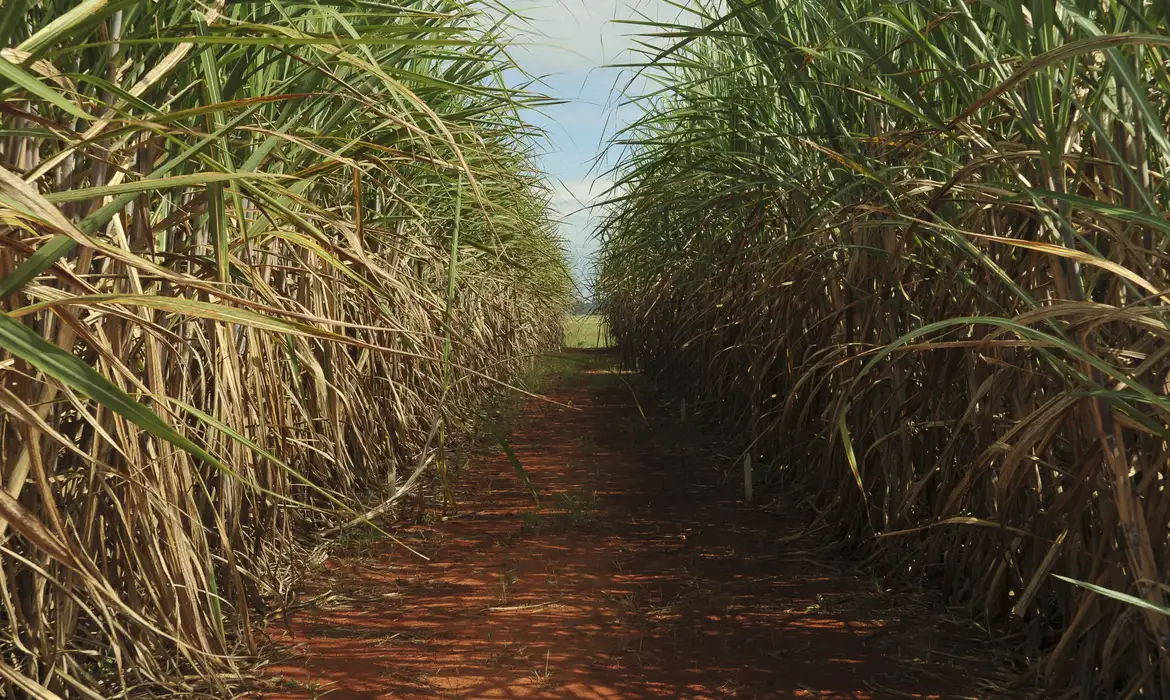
column 642, row 576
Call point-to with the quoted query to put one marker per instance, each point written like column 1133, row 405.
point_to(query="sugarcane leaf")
column 66, row 368
column 150, row 185
column 19, row 77
column 1116, row 595
column 519, row 469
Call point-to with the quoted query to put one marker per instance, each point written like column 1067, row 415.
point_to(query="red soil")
column 669, row 586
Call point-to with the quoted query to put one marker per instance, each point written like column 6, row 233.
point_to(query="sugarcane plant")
column 914, row 252
column 235, row 308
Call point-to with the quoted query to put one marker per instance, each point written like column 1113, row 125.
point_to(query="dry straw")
column 254, row 256
column 918, row 249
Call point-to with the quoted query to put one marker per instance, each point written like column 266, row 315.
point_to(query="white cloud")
column 573, row 201
column 576, row 194
column 571, row 41
column 578, row 35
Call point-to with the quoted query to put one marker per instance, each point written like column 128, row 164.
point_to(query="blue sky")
column 567, row 43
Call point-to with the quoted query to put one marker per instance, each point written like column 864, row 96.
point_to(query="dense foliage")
column 916, row 253
column 256, row 261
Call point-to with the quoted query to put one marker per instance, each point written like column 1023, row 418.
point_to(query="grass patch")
column 587, row 331
column 574, row 510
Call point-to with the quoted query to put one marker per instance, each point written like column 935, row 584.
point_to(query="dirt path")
column 644, row 575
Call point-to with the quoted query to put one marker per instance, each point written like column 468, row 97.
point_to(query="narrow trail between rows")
column 642, row 575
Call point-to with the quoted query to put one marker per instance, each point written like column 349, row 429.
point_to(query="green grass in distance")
column 586, row 331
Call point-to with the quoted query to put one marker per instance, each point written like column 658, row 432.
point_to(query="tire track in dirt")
column 643, row 575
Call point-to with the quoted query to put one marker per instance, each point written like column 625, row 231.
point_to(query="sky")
column 568, row 43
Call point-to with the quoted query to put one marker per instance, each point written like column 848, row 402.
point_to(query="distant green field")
column 587, row 331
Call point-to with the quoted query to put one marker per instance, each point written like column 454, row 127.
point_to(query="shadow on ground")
column 641, row 576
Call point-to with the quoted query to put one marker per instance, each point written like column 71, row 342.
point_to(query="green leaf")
column 150, row 185
column 1116, row 595
column 91, row 10
column 23, row 79
column 847, row 441
column 197, row 309
column 38, row 262
column 22, row 342
column 10, row 19
column 519, row 469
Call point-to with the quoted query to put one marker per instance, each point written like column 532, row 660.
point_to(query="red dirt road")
column 643, row 575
